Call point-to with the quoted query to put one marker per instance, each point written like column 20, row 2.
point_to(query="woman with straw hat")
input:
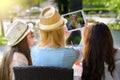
column 20, row 38
column 52, row 50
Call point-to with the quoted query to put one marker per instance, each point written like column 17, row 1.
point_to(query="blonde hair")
column 56, row 38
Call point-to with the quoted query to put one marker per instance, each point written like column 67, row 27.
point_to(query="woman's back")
column 58, row 57
column 51, row 50
column 100, row 60
column 18, row 53
column 116, row 72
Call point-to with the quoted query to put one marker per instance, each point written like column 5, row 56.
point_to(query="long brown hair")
column 21, row 47
column 98, row 50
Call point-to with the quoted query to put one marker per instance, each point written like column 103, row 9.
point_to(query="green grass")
column 114, row 26
column 75, row 39
column 3, row 41
column 94, row 9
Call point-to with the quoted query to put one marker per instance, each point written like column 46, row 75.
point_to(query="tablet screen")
column 75, row 20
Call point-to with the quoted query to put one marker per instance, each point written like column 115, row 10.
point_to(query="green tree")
column 29, row 3
column 92, row 1
column 114, row 5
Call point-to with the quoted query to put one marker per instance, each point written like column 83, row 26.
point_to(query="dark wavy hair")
column 97, row 51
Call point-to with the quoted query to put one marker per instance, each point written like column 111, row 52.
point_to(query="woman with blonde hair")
column 20, row 38
column 52, row 50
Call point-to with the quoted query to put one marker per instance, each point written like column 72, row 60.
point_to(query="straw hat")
column 50, row 19
column 16, row 32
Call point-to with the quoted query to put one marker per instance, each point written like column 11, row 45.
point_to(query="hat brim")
column 30, row 28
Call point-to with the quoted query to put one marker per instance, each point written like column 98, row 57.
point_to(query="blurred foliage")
column 2, row 40
column 76, row 41
column 79, row 19
column 114, row 26
column 113, row 5
column 33, row 12
column 91, row 20
column 102, row 5
column 96, row 10
column 74, row 38
column 28, row 3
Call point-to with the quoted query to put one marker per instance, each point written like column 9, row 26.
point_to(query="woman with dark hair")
column 101, row 61
column 20, row 38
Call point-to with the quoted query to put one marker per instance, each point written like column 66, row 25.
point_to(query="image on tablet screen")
column 75, row 20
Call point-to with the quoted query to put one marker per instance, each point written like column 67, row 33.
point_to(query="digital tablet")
column 75, row 20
